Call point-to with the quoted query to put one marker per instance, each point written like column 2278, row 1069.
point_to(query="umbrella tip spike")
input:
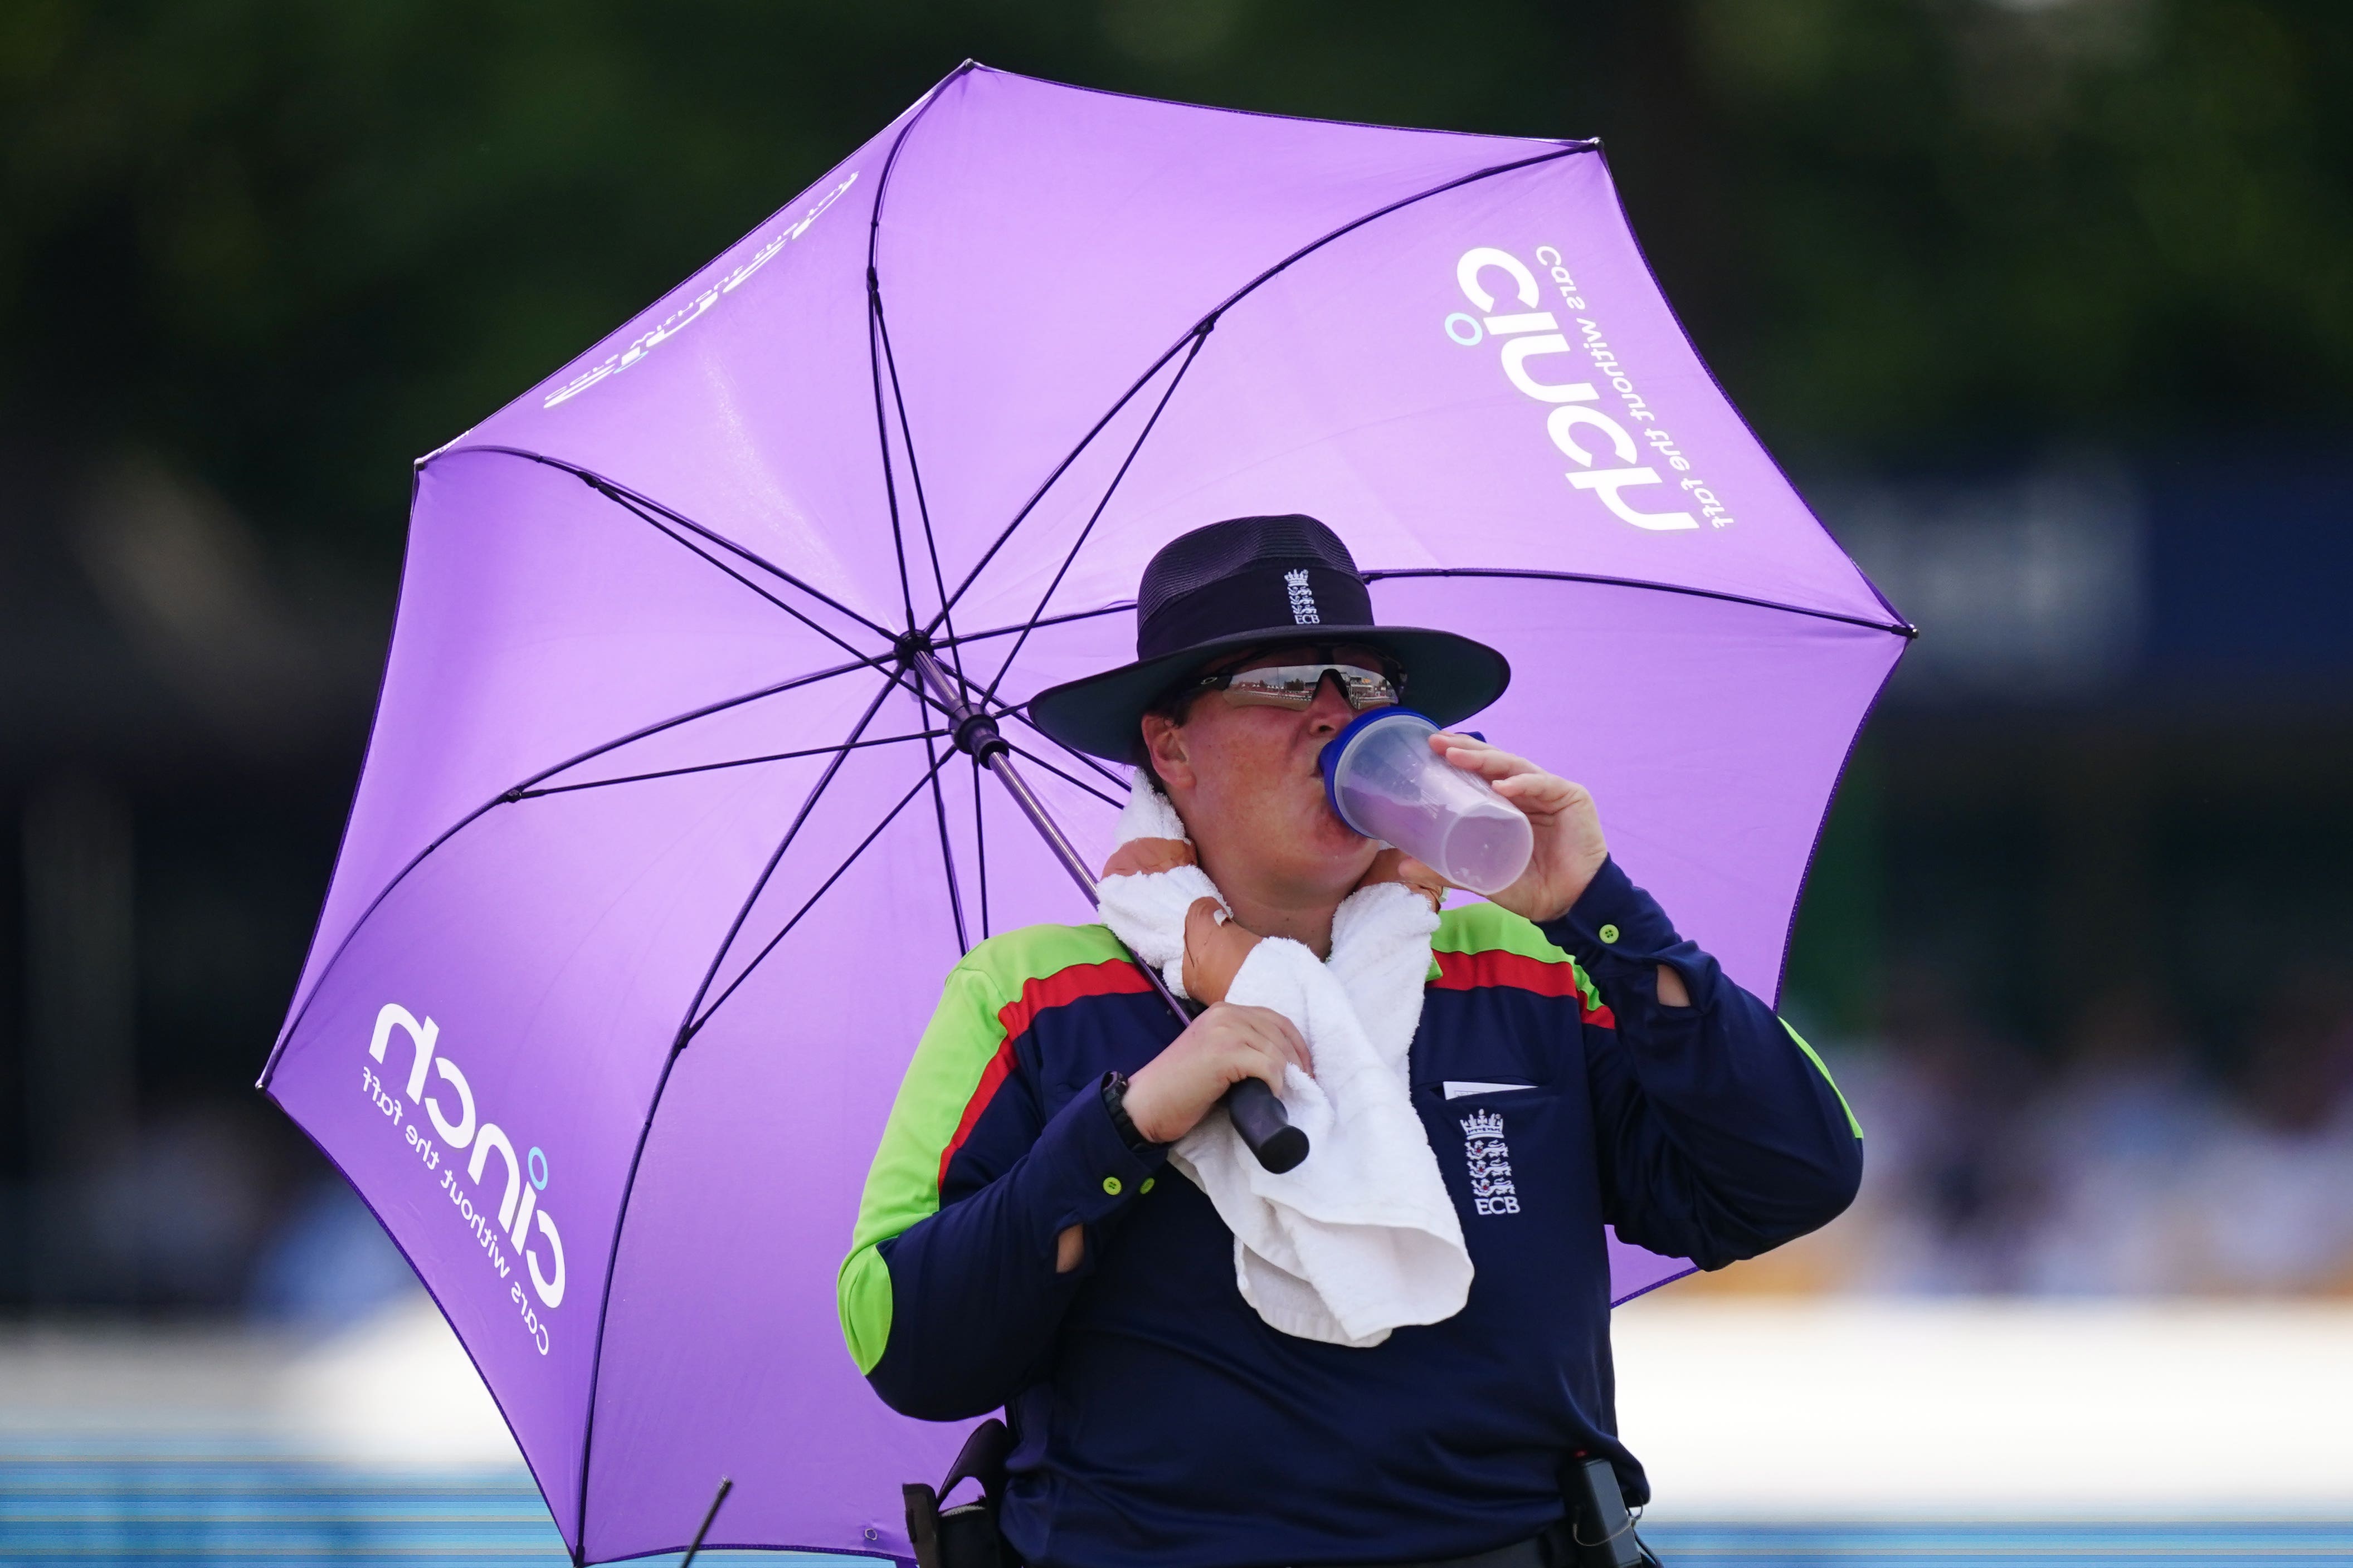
column 694, row 1546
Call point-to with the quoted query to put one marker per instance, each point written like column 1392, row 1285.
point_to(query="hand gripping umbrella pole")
column 1257, row 1114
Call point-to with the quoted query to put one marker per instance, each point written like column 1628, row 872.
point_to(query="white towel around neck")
column 1361, row 1237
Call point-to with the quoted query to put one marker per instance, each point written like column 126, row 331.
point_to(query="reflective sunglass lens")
column 1295, row 686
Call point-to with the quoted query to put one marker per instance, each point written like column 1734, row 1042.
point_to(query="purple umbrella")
column 661, row 850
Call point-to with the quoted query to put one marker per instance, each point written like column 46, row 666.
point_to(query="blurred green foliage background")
column 293, row 244
column 2047, row 303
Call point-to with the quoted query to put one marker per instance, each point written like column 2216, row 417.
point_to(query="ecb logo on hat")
column 1302, row 599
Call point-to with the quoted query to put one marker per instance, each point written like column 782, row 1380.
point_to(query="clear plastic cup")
column 1384, row 781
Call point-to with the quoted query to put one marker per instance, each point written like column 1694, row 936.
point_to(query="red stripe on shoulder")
column 992, row 1076
column 1064, row 986
column 1469, row 971
column 1109, row 978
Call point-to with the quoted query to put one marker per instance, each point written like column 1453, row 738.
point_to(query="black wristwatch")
column 1114, row 1098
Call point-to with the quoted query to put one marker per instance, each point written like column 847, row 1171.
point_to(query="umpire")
column 1022, row 1243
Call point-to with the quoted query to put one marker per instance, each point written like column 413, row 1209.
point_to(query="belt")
column 1533, row 1552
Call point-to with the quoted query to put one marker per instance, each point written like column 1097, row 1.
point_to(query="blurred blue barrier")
column 153, row 1505
column 2110, row 1543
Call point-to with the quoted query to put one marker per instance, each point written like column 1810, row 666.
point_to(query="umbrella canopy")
column 659, row 854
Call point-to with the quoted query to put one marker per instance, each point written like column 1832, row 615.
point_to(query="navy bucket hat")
column 1252, row 582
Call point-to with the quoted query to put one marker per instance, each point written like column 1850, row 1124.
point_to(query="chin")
column 1336, row 843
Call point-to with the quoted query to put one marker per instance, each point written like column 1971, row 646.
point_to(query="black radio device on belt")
column 1601, row 1529
column 964, row 1536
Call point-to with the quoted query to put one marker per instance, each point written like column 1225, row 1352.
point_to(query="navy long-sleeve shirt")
column 1157, row 1420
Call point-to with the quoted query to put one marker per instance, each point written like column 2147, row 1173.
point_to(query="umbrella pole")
column 1265, row 1127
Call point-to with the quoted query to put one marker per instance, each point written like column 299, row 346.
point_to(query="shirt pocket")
column 1459, row 1088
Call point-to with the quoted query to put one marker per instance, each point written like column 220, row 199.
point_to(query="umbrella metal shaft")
column 1265, row 1127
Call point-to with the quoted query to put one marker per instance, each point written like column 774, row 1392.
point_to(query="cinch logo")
column 1490, row 1160
column 1532, row 335
column 1303, row 600
column 526, row 1177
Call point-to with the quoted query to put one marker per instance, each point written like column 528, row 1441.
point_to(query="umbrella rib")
column 1900, row 629
column 882, row 434
column 497, row 1401
column 877, row 320
column 760, row 884
column 875, row 327
column 613, row 490
column 930, row 777
column 1200, row 336
column 1658, row 286
column 1071, row 779
column 1228, row 303
column 1120, row 608
column 926, row 735
column 295, row 1023
column 653, row 1104
column 1822, row 824
column 708, row 708
column 1079, row 757
column 649, row 520
column 915, row 478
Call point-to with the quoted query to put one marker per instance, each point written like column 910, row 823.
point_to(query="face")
column 1246, row 781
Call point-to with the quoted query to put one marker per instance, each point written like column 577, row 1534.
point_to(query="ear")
column 1163, row 738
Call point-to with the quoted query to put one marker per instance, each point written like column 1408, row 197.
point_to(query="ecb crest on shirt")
column 1489, row 1160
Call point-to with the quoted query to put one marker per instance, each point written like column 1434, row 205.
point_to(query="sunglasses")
column 1294, row 686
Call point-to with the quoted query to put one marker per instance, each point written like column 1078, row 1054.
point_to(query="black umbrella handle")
column 1264, row 1125
column 1257, row 1114
column 1260, row 1119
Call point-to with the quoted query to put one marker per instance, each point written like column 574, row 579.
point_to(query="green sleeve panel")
column 1855, row 1126
column 954, row 1055
column 1491, row 927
